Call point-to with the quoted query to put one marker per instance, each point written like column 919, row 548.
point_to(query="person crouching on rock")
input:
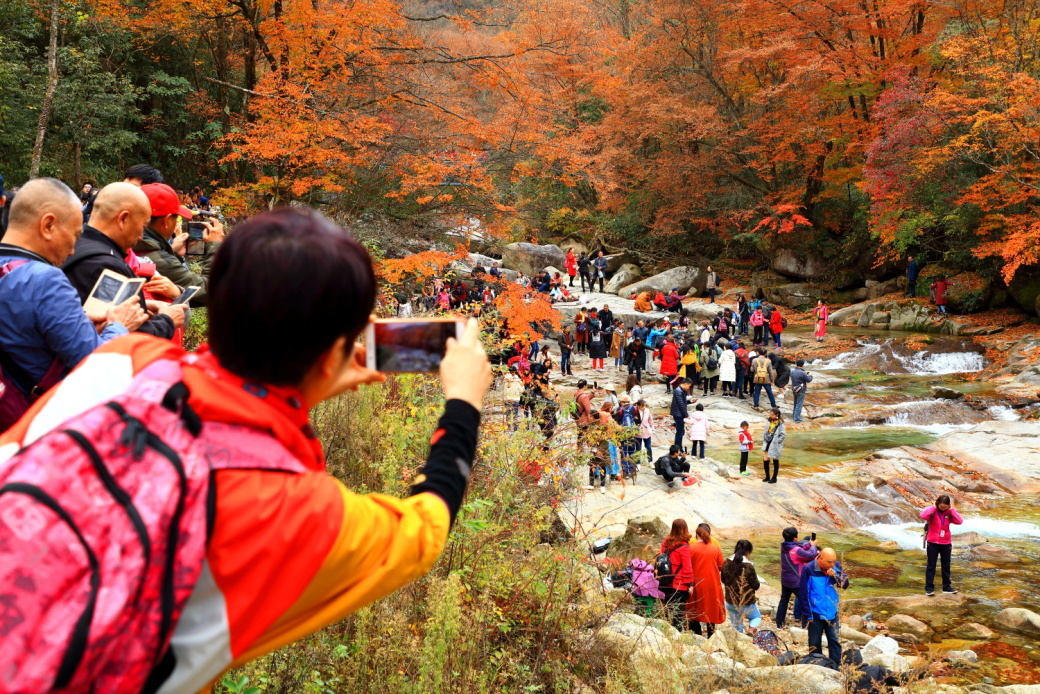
column 673, row 466
column 938, row 542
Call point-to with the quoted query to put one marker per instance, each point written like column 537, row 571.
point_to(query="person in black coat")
column 121, row 212
column 680, row 410
column 635, row 358
column 781, row 369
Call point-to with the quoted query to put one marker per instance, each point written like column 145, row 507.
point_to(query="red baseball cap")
column 164, row 201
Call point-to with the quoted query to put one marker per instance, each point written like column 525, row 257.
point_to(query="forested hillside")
column 859, row 129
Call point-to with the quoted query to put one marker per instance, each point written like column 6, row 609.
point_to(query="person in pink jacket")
column 757, row 320
column 646, row 428
column 938, row 542
column 697, row 429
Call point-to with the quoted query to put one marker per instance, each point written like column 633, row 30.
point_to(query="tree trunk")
column 76, row 168
column 48, row 99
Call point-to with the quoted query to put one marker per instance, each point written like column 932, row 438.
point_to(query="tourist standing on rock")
column 740, row 583
column 697, row 426
column 777, row 323
column 585, row 270
column 757, row 320
column 773, row 444
column 706, row 603
column 680, row 411
column 800, row 381
column 819, row 601
column 712, row 284
column 635, row 358
column 741, row 365
column 911, row 277
column 566, row 346
column 606, row 316
column 514, row 391
column 794, row 555
column 585, row 413
column 600, row 266
column 581, row 321
column 571, row 266
column 669, row 361
column 633, row 388
column 709, row 361
column 763, row 375
column 617, row 344
column 728, row 371
column 939, row 288
column 646, row 428
column 597, row 346
column 782, row 374
column 820, row 314
column 746, row 443
column 744, row 314
column 689, row 367
column 939, row 542
column 767, row 314
column 675, row 585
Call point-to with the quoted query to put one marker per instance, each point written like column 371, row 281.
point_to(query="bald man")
column 121, row 212
column 818, row 601
column 44, row 331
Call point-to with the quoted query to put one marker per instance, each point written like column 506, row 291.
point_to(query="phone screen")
column 186, row 295
column 412, row 346
column 814, row 537
column 107, row 289
column 132, row 287
column 195, row 230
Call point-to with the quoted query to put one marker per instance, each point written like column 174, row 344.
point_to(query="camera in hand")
column 196, row 230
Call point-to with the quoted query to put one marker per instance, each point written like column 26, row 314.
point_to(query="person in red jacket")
column 669, row 361
column 939, row 288
column 677, row 592
column 571, row 265
column 776, row 326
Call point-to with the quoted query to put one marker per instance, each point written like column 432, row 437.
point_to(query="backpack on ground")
column 770, row 642
column 819, row 660
column 663, row 568
column 104, row 524
column 762, row 371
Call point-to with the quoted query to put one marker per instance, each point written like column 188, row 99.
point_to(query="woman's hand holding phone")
column 465, row 369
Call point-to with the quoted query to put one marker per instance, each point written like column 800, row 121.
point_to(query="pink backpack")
column 104, row 525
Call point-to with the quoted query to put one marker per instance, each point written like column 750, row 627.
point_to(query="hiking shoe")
column 949, row 591
column 671, row 484
column 765, row 479
column 745, row 474
column 589, row 486
column 772, row 481
column 930, row 593
column 602, row 490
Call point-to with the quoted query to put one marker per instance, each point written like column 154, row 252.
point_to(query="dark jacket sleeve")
column 170, row 266
column 447, row 469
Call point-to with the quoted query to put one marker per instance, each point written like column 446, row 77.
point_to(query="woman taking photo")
column 676, row 592
column 938, row 542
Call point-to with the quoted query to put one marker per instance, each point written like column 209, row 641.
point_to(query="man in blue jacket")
column 911, row 276
column 818, row 601
column 680, row 410
column 44, row 331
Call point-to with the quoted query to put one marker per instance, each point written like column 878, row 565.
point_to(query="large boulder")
column 571, row 241
column 905, row 624
column 880, row 645
column 803, row 266
column 681, row 277
column 876, row 289
column 992, row 554
column 1024, row 288
column 530, row 258
column 973, row 631
column 641, row 539
column 616, row 260
column 625, row 275
column 808, row 679
column 969, row 292
column 1020, row 620
column 763, row 280
column 799, row 295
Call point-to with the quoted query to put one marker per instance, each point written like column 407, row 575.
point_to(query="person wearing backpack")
column 938, row 542
column 757, row 320
column 627, row 416
column 675, row 571
column 597, row 345
column 819, row 601
column 767, row 315
column 777, row 323
column 172, row 471
column 585, row 270
column 794, row 555
column 710, row 368
column 762, row 376
column 672, row 466
column 581, row 330
column 711, row 284
column 743, row 364
column 740, row 582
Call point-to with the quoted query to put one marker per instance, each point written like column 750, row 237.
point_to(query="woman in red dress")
column 571, row 265
column 706, row 603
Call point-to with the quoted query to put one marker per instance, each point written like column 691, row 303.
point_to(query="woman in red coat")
column 677, row 546
column 571, row 265
column 669, row 361
column 706, row 602
column 776, row 325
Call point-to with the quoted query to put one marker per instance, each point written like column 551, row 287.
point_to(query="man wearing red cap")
column 159, row 236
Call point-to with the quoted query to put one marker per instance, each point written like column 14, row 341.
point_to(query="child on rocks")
column 747, row 444
column 697, row 425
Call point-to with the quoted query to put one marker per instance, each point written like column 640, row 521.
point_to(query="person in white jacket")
column 697, row 429
column 646, row 428
column 514, row 390
column 728, row 371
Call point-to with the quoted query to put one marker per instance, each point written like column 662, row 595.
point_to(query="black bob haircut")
column 144, row 173
column 284, row 286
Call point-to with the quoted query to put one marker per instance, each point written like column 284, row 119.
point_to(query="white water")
column 902, row 419
column 847, row 360
column 1003, row 413
column 924, row 363
column 908, row 535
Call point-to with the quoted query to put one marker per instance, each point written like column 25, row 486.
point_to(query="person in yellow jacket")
column 688, row 365
column 288, row 554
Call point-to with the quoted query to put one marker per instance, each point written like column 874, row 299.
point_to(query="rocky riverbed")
column 895, row 418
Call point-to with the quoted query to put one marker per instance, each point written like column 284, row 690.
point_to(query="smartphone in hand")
column 409, row 345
